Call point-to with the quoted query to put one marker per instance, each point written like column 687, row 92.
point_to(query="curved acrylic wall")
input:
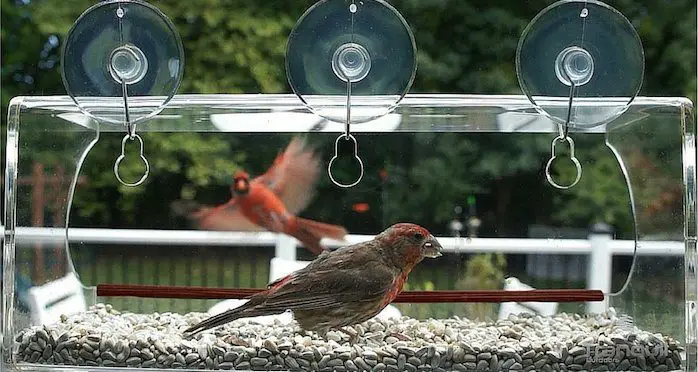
column 653, row 143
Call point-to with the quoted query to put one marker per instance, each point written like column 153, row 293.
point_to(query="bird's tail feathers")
column 310, row 241
column 320, row 229
column 247, row 310
column 310, row 232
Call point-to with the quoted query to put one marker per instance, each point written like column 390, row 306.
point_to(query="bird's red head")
column 241, row 183
column 408, row 243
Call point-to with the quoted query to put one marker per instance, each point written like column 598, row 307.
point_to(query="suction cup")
column 366, row 44
column 119, row 40
column 584, row 42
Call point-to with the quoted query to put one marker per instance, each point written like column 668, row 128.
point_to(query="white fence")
column 600, row 248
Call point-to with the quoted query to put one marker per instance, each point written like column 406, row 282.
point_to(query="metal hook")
column 349, row 80
column 577, row 165
column 348, row 121
column 336, row 155
column 130, row 127
column 573, row 87
column 564, row 130
column 346, row 136
column 123, row 155
column 573, row 84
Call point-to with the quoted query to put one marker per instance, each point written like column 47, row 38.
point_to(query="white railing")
column 25, row 235
column 600, row 248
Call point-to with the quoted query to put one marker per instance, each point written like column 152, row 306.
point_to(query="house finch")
column 270, row 201
column 340, row 288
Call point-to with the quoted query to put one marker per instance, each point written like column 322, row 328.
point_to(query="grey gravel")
column 563, row 342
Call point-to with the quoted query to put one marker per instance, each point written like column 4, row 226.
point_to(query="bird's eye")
column 418, row 236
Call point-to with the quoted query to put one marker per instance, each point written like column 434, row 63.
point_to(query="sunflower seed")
column 242, row 365
column 258, row 362
column 133, row 361
column 191, row 358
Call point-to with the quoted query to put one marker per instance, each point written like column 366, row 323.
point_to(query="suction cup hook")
column 581, row 50
column 119, row 54
column 581, row 63
column 366, row 44
column 351, row 61
column 122, row 62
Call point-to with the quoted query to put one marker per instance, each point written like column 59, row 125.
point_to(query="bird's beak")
column 431, row 248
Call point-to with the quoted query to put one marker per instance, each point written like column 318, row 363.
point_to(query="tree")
column 464, row 46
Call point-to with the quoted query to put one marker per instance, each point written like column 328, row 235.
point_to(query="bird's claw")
column 353, row 335
column 400, row 336
column 237, row 341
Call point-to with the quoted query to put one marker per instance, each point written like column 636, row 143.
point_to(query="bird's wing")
column 224, row 217
column 332, row 280
column 353, row 274
column 292, row 176
column 343, row 287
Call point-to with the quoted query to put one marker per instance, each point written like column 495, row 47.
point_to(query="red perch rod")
column 535, row 295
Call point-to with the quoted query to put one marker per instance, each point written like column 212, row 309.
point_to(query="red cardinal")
column 340, row 288
column 271, row 201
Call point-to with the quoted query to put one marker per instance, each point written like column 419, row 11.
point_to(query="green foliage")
column 234, row 46
column 29, row 57
column 668, row 33
column 456, row 52
column 425, row 286
column 421, row 311
column 601, row 194
column 200, row 160
column 483, row 272
column 464, row 46
column 460, row 157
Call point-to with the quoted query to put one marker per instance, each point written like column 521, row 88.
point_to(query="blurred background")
column 464, row 46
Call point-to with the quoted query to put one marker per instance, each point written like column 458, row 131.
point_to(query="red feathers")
column 271, row 201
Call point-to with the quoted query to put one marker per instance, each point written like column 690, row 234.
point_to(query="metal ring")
column 562, row 138
column 550, row 178
column 361, row 164
column 122, row 156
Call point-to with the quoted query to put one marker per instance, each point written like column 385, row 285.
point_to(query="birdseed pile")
column 103, row 336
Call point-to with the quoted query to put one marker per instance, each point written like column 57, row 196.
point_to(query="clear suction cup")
column 125, row 55
column 584, row 43
column 363, row 43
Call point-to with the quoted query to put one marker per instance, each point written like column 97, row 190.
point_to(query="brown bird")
column 271, row 201
column 340, row 288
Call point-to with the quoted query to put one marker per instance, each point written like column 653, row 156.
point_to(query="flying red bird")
column 340, row 288
column 271, row 201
